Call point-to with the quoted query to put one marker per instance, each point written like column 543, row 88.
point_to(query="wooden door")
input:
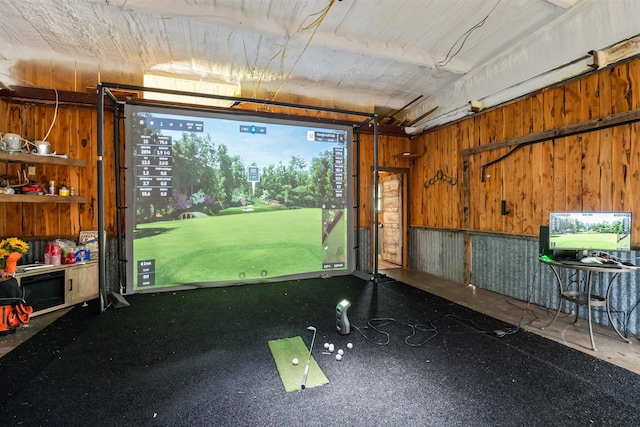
column 391, row 223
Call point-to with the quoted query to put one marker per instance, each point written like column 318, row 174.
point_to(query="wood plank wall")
column 389, row 156
column 591, row 171
column 597, row 170
column 73, row 125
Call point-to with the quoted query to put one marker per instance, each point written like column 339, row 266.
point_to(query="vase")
column 11, row 263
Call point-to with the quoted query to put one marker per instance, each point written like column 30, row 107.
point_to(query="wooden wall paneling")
column 63, row 76
column 13, row 120
column 524, row 198
column 366, row 160
column 590, row 97
column 465, row 132
column 27, row 72
column 87, row 79
column 28, row 220
column 476, row 190
column 633, row 181
column 481, row 188
column 590, row 108
column 109, row 176
column 3, row 219
column 621, row 98
column 572, row 104
column 492, row 186
column 13, row 219
column 622, row 158
column 492, row 181
column 419, row 179
column 386, row 150
column 445, row 204
column 542, row 164
column 73, row 174
column 554, row 117
column 606, row 190
column 633, row 70
column 50, row 219
column 473, row 174
column 42, row 76
column 590, row 170
column 512, row 171
column 87, row 184
column 456, row 172
column 450, row 201
column 429, row 216
column 572, row 109
column 495, row 188
column 621, row 101
column 436, row 204
column 59, row 131
column 517, row 219
column 573, row 186
column 417, row 173
column 478, row 187
column 27, row 119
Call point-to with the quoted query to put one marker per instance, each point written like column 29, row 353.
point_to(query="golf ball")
column 331, row 348
column 294, row 361
column 349, row 346
column 340, row 352
column 326, row 345
column 338, row 357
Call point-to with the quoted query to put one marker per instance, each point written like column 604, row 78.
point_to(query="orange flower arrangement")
column 11, row 249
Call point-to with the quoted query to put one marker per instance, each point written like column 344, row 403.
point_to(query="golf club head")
column 311, row 328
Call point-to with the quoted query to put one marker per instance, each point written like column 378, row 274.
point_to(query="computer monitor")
column 590, row 231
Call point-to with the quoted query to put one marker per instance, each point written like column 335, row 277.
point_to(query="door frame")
column 406, row 194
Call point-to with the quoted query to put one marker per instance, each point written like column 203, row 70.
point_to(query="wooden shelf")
column 38, row 159
column 36, row 198
column 407, row 155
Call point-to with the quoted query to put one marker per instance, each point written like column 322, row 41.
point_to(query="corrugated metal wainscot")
column 510, row 266
column 437, row 252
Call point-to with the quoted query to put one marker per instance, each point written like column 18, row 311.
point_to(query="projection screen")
column 220, row 198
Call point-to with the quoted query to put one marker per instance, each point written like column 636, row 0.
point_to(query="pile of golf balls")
column 340, row 353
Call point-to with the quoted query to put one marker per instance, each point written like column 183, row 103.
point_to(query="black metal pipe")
column 234, row 99
column 356, row 175
column 119, row 203
column 376, row 169
column 102, row 246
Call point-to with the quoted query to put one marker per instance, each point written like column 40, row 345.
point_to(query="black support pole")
column 102, row 244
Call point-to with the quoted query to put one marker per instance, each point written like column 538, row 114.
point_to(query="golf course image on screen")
column 590, row 231
column 221, row 199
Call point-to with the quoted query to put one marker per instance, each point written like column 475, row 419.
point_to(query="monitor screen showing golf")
column 590, row 231
column 221, row 198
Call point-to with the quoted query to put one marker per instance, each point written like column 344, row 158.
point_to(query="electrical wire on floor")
column 376, row 323
column 510, row 331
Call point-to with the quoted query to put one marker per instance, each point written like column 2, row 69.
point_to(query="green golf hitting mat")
column 284, row 351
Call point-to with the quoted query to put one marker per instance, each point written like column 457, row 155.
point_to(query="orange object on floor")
column 14, row 310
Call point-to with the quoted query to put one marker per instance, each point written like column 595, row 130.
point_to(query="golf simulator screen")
column 215, row 199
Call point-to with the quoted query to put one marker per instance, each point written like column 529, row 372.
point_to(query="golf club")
column 306, row 369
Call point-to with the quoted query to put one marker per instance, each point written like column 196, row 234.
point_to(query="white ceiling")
column 364, row 54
